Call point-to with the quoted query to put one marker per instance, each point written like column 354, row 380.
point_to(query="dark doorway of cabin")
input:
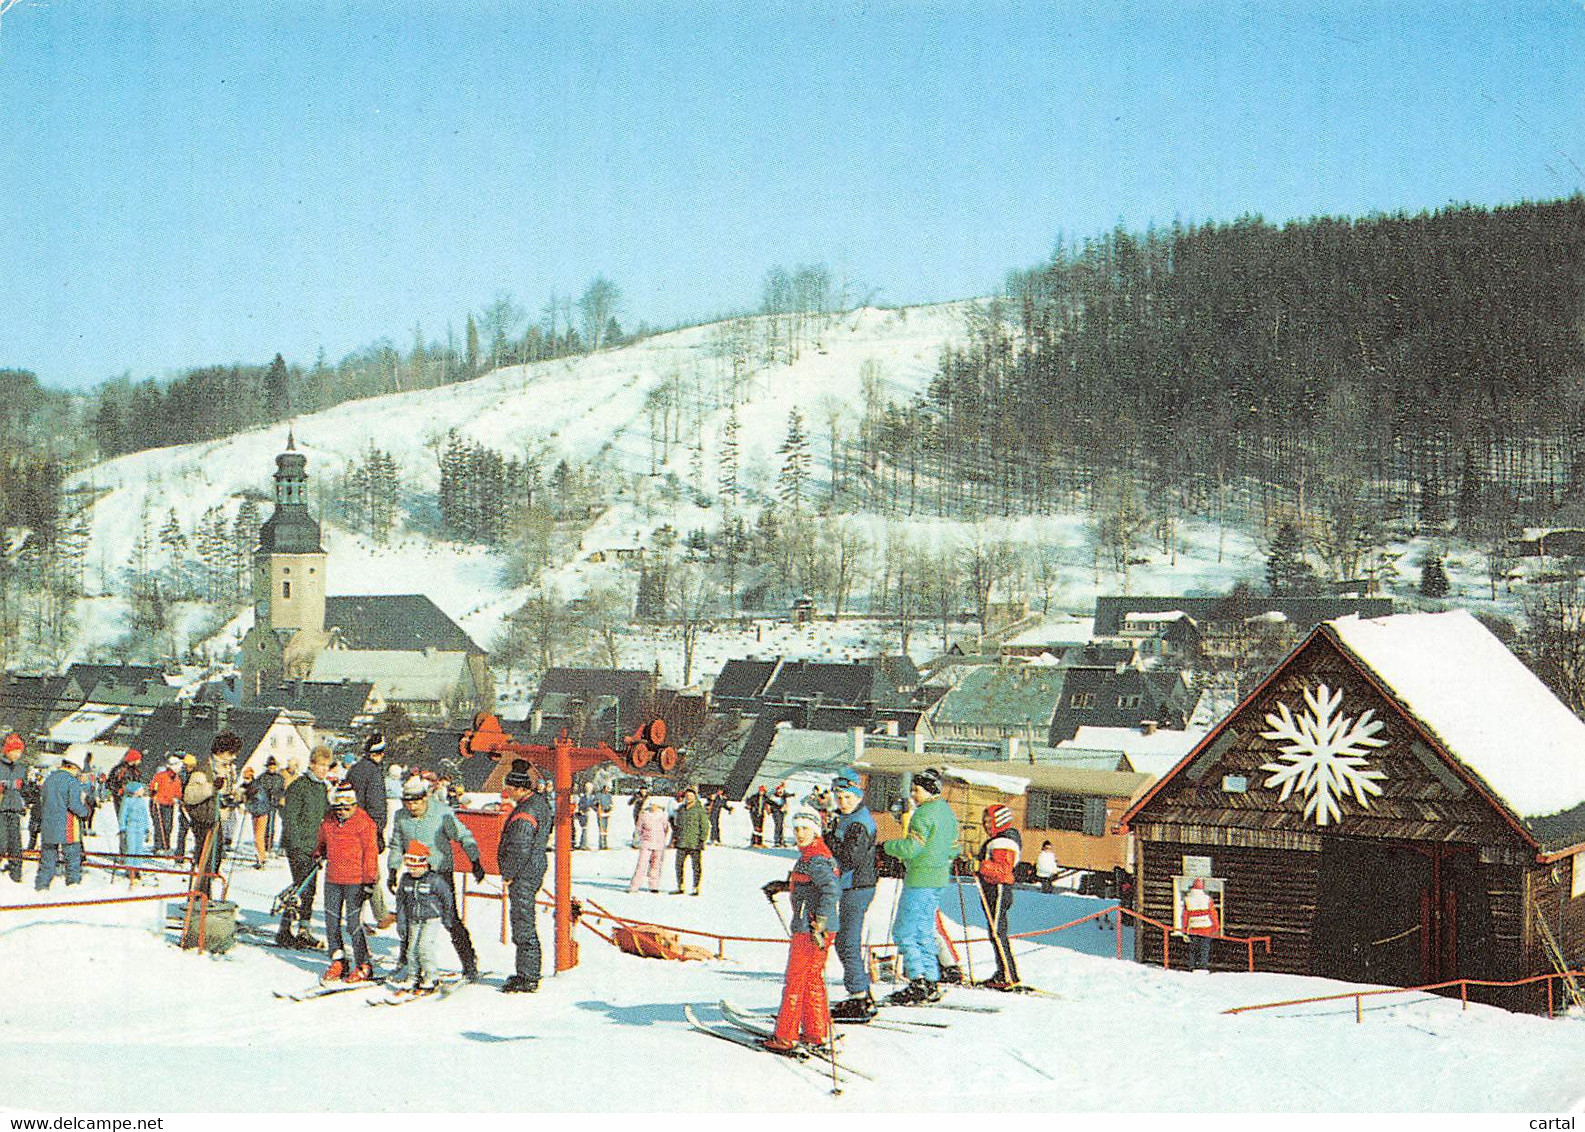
column 1399, row 913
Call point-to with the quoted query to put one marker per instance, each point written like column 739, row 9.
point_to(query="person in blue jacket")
column 853, row 845
column 522, row 859
column 424, row 908
column 133, row 818
column 63, row 801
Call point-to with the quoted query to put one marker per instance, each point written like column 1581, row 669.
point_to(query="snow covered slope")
column 103, row 1014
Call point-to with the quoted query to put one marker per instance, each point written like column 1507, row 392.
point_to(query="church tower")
column 288, row 585
column 289, row 562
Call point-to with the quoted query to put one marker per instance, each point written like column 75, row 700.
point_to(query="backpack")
column 198, row 799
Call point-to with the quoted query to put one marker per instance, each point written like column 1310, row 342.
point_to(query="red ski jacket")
column 352, row 856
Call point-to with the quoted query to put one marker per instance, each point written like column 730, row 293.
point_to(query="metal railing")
column 1463, row 985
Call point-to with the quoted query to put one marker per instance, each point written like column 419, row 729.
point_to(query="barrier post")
column 1359, row 1008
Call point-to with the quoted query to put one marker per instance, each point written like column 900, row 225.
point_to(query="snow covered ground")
column 107, row 1015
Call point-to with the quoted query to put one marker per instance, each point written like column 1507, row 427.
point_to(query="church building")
column 415, row 656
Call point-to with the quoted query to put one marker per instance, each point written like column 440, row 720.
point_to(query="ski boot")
column 520, row 984
column 916, row 993
column 337, row 968
column 304, row 939
column 779, row 1045
column 284, row 936
column 951, row 974
column 362, row 973
column 857, row 1010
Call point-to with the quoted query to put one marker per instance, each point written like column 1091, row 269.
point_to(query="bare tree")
column 596, row 308
column 850, row 551
column 692, row 602
column 603, row 616
column 500, row 321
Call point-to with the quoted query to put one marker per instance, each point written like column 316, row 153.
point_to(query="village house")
column 1400, row 801
column 182, row 729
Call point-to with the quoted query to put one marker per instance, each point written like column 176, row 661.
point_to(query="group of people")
column 341, row 828
column 658, row 825
column 832, row 885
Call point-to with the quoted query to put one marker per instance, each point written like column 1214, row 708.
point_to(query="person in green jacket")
column 690, row 830
column 926, row 851
column 304, row 809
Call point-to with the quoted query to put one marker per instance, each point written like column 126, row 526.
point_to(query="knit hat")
column 373, row 743
column 930, row 779
column 846, row 782
column 135, row 786
column 656, row 802
column 190, row 761
column 174, row 763
column 133, row 756
column 805, row 816
column 522, row 775
column 343, row 795
column 998, row 818
column 226, row 741
column 414, row 788
column 13, row 744
column 417, row 855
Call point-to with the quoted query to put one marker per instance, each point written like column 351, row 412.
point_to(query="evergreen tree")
column 794, row 452
column 276, row 393
column 729, row 459
column 472, row 347
column 1287, row 573
column 1433, row 577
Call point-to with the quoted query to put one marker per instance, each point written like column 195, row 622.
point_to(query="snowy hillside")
column 108, row 1009
column 585, row 410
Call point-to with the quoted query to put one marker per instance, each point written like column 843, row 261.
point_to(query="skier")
column 132, row 818
column 652, row 834
column 717, row 806
column 812, row 887
column 853, row 843
column 63, row 806
column 307, row 799
column 1202, row 921
column 927, row 851
column 427, row 820
column 778, row 812
column 367, row 779
column 521, row 855
column 692, row 828
column 758, row 804
column 201, row 805
column 183, row 826
column 602, row 815
column 272, row 787
column 997, row 858
column 348, row 846
column 165, row 789
column 122, row 773
column 424, row 906
column 13, row 804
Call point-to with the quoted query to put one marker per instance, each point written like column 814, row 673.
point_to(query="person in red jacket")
column 998, row 857
column 166, row 790
column 1202, row 920
column 351, row 852
column 815, row 892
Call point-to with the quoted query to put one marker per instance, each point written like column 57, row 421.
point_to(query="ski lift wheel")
column 655, row 732
column 639, row 754
column 668, row 759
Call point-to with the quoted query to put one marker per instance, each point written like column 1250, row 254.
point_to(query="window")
column 1075, row 812
column 882, row 791
column 1578, row 887
column 1082, row 700
column 1128, row 701
column 286, row 589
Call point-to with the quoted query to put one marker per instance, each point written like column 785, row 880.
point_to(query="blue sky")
column 186, row 183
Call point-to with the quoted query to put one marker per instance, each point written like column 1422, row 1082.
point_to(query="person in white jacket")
column 1046, row 866
column 652, row 834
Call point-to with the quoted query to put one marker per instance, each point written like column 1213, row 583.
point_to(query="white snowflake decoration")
column 1324, row 755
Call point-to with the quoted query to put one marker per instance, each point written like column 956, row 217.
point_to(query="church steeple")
column 289, row 561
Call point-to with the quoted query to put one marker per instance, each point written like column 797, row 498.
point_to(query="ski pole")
column 831, row 1030
column 963, row 910
column 787, row 931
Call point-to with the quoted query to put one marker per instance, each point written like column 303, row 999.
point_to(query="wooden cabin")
column 1077, row 809
column 1399, row 802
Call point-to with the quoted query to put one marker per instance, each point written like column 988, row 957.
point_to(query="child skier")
column 813, row 889
column 133, row 819
column 424, row 909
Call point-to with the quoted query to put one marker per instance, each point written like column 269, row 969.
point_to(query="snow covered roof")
column 83, row 726
column 1155, row 753
column 1489, row 711
column 395, row 674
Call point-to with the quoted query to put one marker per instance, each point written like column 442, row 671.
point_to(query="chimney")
column 1010, row 748
column 916, row 742
column 889, row 727
column 536, row 720
column 857, row 734
column 181, row 712
column 222, row 714
column 1147, row 727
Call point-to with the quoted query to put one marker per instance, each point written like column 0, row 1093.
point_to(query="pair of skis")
column 389, row 996
column 747, row 1030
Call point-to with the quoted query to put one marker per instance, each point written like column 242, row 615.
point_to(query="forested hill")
column 1380, row 365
